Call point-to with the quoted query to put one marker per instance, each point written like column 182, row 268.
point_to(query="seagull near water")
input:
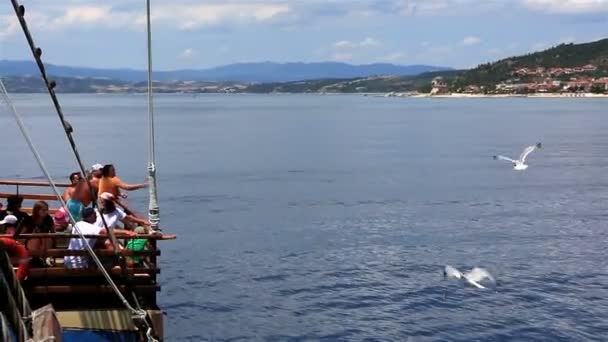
column 520, row 164
column 474, row 277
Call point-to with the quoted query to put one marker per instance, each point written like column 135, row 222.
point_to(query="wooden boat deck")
column 81, row 292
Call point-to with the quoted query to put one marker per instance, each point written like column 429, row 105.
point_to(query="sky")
column 206, row 33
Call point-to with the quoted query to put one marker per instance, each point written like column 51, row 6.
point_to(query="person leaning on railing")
column 111, row 183
column 88, row 227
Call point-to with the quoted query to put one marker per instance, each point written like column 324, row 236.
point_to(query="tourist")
column 39, row 222
column 61, row 220
column 75, row 177
column 111, row 183
column 87, row 227
column 113, row 215
column 9, row 224
column 81, row 198
column 96, row 173
column 137, row 245
column 13, row 207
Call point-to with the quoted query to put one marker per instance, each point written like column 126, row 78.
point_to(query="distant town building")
column 439, row 86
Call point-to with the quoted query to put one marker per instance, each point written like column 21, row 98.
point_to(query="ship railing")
column 18, row 185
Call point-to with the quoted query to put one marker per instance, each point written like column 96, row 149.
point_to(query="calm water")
column 331, row 217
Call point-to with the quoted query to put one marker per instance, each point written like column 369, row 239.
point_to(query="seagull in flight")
column 520, row 164
column 475, row 277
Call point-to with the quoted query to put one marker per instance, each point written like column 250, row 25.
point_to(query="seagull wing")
column 504, row 158
column 527, row 151
column 451, row 272
column 477, row 275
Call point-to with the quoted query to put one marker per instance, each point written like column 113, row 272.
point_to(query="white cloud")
column 567, row 6
column 471, row 40
column 8, row 26
column 344, row 44
column 394, row 57
column 197, row 16
column 369, row 42
column 187, row 53
column 342, row 57
column 347, row 44
column 84, row 14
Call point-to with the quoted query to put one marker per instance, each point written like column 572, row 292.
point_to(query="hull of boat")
column 72, row 335
column 104, row 325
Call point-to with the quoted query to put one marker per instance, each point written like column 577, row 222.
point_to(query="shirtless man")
column 81, row 198
column 96, row 172
column 109, row 182
column 75, row 177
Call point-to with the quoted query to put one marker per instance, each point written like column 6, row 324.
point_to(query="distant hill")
column 372, row 84
column 34, row 84
column 241, row 72
column 564, row 55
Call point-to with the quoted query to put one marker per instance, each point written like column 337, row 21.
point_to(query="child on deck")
column 138, row 245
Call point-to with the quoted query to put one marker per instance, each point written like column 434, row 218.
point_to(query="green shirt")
column 136, row 245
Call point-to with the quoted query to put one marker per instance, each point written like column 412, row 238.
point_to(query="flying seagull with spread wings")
column 475, row 277
column 520, row 164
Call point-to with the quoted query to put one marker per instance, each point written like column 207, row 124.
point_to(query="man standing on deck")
column 109, row 182
column 96, row 172
column 75, row 177
column 81, row 198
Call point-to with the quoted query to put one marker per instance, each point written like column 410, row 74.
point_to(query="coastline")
column 468, row 96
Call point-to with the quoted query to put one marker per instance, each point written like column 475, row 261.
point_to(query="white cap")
column 10, row 219
column 96, row 167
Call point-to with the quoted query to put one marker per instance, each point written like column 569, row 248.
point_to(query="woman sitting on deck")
column 39, row 222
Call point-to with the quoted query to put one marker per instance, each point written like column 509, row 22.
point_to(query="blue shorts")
column 75, row 207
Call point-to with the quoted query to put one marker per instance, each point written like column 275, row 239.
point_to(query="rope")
column 37, row 53
column 153, row 209
column 138, row 313
column 50, row 85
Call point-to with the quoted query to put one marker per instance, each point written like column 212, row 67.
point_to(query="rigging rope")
column 37, row 53
column 50, row 85
column 153, row 209
column 137, row 313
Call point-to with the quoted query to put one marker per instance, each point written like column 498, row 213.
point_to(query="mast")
column 153, row 210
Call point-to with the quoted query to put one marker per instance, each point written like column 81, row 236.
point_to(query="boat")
column 111, row 301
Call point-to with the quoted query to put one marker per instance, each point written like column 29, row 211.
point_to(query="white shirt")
column 112, row 219
column 74, row 261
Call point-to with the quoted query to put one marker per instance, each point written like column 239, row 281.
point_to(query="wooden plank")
column 62, row 272
column 118, row 236
column 59, row 253
column 38, row 197
column 32, row 183
column 85, row 289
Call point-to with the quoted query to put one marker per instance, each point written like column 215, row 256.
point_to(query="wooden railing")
column 61, row 281
column 34, row 197
column 50, row 282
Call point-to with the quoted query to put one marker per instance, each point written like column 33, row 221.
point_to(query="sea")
column 331, row 218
